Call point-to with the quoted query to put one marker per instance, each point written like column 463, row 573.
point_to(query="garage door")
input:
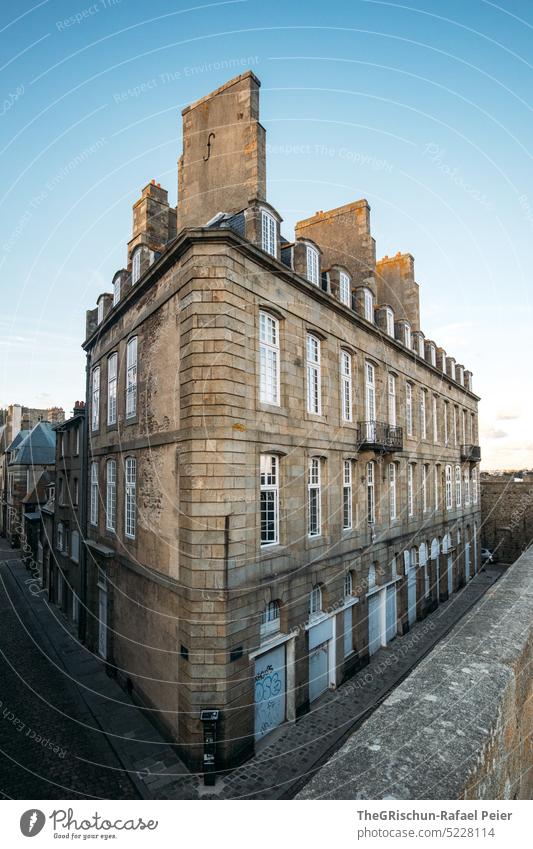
column 269, row 691
column 318, row 671
column 411, row 595
column 391, row 613
column 374, row 623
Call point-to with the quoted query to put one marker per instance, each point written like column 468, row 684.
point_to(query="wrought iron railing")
column 470, row 452
column 379, row 436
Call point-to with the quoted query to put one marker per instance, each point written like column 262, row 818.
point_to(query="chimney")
column 395, row 278
column 154, row 222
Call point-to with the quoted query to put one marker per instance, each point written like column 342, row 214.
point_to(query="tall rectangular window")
column 370, row 393
column 269, row 486
column 473, row 435
column 268, row 233
column 269, row 383
column 423, row 418
column 436, row 488
column 347, row 495
column 314, row 498
column 392, row 491
column 314, row 399
column 136, row 267
column 93, row 507
column 131, row 378
column 369, row 305
column 425, row 470
column 466, row 477
column 344, row 289
column 458, row 486
column 112, row 389
column 410, row 493
column 346, row 386
column 313, row 265
column 116, row 291
column 111, row 496
column 95, row 399
column 474, row 487
column 370, row 493
column 463, row 426
column 130, row 497
column 455, row 426
column 448, row 480
column 392, row 400
column 446, row 405
column 389, row 319
column 407, row 336
column 435, row 420
column 409, row 408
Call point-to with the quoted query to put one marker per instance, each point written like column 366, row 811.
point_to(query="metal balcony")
column 471, row 452
column 379, row 436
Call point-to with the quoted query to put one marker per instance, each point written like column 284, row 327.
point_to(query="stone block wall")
column 507, row 515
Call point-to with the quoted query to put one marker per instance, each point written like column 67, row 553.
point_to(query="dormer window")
column 136, row 267
column 389, row 321
column 313, row 265
column 460, row 375
column 407, row 337
column 369, row 305
column 432, row 355
column 268, row 233
column 100, row 311
column 344, row 289
column 116, row 291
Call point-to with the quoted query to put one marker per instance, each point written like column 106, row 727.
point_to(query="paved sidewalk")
column 282, row 766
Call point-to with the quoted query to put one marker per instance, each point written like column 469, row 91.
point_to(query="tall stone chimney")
column 154, row 221
column 395, row 278
column 223, row 164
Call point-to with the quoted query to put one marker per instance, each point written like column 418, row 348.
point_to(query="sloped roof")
column 37, row 448
column 37, row 493
column 22, row 434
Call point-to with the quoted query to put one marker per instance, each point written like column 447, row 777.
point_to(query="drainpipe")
column 82, row 626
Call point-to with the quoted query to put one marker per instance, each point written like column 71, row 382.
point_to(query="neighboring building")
column 283, row 470
column 28, row 456
column 44, row 546
column 32, row 503
column 62, row 573
column 507, row 514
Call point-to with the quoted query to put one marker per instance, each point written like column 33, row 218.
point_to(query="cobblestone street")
column 68, row 730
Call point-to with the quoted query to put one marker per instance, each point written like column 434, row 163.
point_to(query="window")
column 344, row 288
column 100, row 306
column 269, row 389
column 425, row 471
column 268, row 233
column 435, row 420
column 458, row 486
column 460, row 375
column 60, row 537
column 436, row 488
column 474, row 486
column 369, row 305
column 423, row 419
column 112, row 389
column 389, row 321
column 136, row 266
column 94, row 494
column 370, row 494
column 410, row 493
column 95, row 399
column 455, row 426
column 111, row 496
column 75, row 546
column 446, row 405
column 407, row 328
column 270, row 619
column 409, row 409
column 131, row 378
column 370, row 393
column 421, row 347
column 269, row 485
column 313, row 271
column 347, row 495
column 463, row 426
column 466, row 478
column 448, row 479
column 77, row 441
column 130, row 497
column 315, row 601
column 116, row 291
column 473, row 436
column 348, row 585
column 432, row 355
column 75, row 492
column 346, row 386
column 392, row 400
column 314, row 400
column 314, row 498
column 392, row 492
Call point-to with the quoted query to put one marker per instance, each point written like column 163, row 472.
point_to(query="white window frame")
column 100, row 308
column 474, row 487
column 425, row 469
column 393, row 507
column 315, row 601
column 312, row 265
column 269, row 359
column 344, row 288
column 389, row 321
column 463, row 426
column 112, row 375
column 270, row 619
column 136, row 266
column 455, row 426
column 392, row 400
column 370, row 392
column 434, row 416
column 347, row 496
column 346, row 386
column 410, row 492
column 116, row 290
column 436, row 488
column 446, row 435
column 94, row 494
column 111, row 496
column 269, row 498
column 371, row 493
column 466, row 485
column 314, row 376
column 95, row 398
column 130, row 497
column 348, row 585
column 409, row 408
column 458, row 487
column 423, row 414
column 407, row 335
column 131, row 377
column 268, row 233
column 368, row 305
column 314, row 498
column 449, row 491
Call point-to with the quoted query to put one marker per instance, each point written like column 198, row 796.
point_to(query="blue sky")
column 424, row 108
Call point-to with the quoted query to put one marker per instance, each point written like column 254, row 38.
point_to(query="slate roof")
column 37, row 494
column 22, row 434
column 37, row 448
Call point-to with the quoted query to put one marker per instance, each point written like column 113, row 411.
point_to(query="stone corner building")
column 283, row 470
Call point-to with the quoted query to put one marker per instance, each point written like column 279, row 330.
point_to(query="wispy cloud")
column 492, row 432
